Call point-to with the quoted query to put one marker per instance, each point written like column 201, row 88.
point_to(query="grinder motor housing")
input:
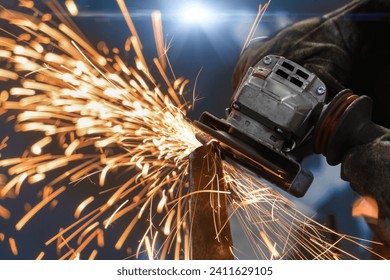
column 272, row 112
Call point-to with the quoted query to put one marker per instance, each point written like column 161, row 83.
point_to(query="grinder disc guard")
column 275, row 167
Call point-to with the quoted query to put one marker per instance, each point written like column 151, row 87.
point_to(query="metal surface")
column 210, row 229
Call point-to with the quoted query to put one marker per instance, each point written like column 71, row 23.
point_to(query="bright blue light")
column 196, row 13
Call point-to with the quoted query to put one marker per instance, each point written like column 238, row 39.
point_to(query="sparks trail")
column 275, row 227
column 104, row 117
column 107, row 117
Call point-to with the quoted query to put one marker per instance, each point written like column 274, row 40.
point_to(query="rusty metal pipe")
column 210, row 229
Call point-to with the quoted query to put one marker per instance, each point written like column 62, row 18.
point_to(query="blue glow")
column 196, row 13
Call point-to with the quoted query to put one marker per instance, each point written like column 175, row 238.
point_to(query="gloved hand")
column 367, row 168
column 347, row 48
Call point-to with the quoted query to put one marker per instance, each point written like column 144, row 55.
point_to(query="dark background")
column 213, row 46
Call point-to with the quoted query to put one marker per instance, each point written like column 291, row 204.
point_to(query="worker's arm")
column 347, row 48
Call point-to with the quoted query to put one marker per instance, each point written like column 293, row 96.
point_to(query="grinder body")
column 279, row 107
column 271, row 113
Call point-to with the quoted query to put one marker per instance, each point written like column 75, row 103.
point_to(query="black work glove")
column 367, row 168
column 347, row 48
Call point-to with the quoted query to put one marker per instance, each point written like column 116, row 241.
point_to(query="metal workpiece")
column 210, row 229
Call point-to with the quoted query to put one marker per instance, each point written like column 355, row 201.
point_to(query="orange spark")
column 259, row 16
column 37, row 207
column 129, row 21
column 93, row 255
column 3, row 143
column 12, row 244
column 82, row 206
column 113, row 214
column 72, row 7
column 158, row 38
column 4, row 213
column 40, row 256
